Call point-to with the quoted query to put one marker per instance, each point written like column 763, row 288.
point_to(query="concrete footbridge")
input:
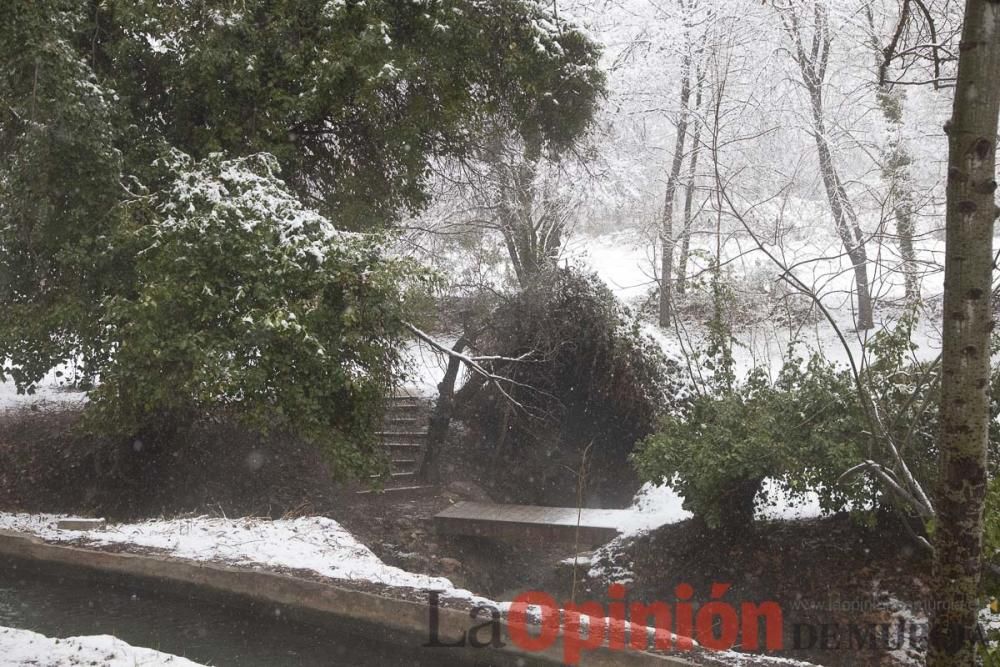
column 519, row 522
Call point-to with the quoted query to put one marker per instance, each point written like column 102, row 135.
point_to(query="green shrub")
column 800, row 429
column 250, row 305
column 805, row 429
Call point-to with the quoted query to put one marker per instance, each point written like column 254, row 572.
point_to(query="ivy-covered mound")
column 176, row 180
column 590, row 385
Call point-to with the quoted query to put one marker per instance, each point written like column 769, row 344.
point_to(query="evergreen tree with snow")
column 194, row 196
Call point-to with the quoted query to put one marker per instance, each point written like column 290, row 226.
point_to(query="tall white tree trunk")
column 667, row 242
column 812, row 62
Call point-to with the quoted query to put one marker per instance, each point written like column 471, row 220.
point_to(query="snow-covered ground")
column 23, row 647
column 624, row 261
column 659, row 505
column 52, row 393
column 308, row 543
column 654, row 506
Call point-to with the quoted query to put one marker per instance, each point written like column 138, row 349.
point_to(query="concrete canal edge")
column 397, row 621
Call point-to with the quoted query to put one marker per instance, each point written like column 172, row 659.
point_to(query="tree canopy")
column 354, row 98
column 192, row 194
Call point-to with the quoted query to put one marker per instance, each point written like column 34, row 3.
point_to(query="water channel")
column 205, row 632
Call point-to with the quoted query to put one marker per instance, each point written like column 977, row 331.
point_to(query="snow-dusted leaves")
column 246, row 192
column 249, row 304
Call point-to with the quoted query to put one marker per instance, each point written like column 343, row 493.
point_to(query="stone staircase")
column 404, row 436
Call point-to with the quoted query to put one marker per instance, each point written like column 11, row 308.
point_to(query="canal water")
column 201, row 631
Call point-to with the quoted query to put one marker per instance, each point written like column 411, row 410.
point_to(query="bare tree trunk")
column 517, row 194
column 440, row 420
column 968, row 323
column 845, row 221
column 690, row 191
column 897, row 173
column 812, row 64
column 532, row 229
column 667, row 224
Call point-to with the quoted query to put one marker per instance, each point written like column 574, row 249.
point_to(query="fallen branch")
column 473, row 364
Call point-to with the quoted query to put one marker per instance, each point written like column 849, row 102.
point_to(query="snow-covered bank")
column 308, row 543
column 624, row 260
column 659, row 505
column 23, row 647
column 318, row 544
column 654, row 506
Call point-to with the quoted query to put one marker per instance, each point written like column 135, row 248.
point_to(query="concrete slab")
column 564, row 524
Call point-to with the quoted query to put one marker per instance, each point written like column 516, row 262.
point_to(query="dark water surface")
column 201, row 631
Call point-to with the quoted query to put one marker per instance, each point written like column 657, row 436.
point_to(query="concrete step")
column 403, row 436
column 408, row 404
column 407, row 447
column 403, row 415
column 403, row 462
column 401, row 422
column 410, row 469
column 397, row 475
column 398, row 490
column 406, row 413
